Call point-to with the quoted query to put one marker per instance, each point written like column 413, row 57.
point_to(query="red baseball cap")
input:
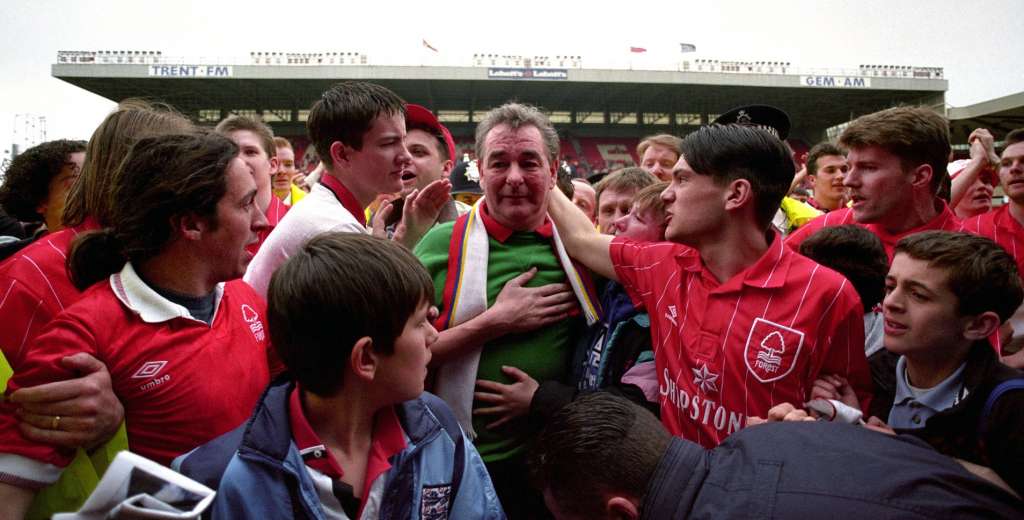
column 417, row 114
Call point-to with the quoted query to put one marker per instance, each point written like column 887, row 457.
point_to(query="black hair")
column 598, row 444
column 346, row 111
column 27, row 179
column 855, row 253
column 731, row 152
column 161, row 178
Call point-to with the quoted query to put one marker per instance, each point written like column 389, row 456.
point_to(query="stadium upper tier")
column 624, row 98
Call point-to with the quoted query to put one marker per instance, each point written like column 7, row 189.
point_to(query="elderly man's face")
column 516, row 175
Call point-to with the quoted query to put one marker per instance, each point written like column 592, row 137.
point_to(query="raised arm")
column 582, row 241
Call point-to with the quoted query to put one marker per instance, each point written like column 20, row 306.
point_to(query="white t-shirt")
column 319, row 212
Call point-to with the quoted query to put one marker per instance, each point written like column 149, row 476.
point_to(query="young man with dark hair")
column 897, row 160
column 658, row 154
column 615, row 195
column 349, row 433
column 738, row 321
column 603, row 457
column 158, row 314
column 946, row 293
column 826, row 166
column 359, row 133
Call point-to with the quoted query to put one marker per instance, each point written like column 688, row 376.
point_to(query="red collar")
column 769, row 271
column 388, row 439
column 941, row 220
column 344, row 196
column 501, row 233
column 275, row 211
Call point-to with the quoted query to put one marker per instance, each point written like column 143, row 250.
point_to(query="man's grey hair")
column 517, row 115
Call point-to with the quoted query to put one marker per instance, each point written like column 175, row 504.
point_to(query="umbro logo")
column 149, row 369
column 671, row 314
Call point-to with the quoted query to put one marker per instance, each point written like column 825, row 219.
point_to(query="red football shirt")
column 182, row 382
column 34, row 287
column 725, row 351
column 944, row 220
column 1000, row 226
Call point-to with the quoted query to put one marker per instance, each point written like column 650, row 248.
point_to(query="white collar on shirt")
column 147, row 303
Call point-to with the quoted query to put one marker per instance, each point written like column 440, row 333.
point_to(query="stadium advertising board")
column 835, row 81
column 521, row 73
column 191, row 71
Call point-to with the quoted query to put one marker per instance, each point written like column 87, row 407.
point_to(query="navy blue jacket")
column 818, row 470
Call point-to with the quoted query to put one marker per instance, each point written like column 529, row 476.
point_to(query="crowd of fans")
column 729, row 329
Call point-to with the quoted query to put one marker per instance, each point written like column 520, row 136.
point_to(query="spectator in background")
column 974, row 180
column 464, row 189
column 1006, row 227
column 284, row 181
column 256, row 143
column 35, row 189
column 432, row 148
column 658, row 154
column 603, row 457
column 826, row 167
column 897, row 161
column 585, row 198
column 162, row 317
column 615, row 195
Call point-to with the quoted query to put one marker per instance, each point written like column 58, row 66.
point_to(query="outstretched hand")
column 421, row 210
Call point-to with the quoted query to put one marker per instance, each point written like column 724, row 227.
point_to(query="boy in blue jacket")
column 348, row 432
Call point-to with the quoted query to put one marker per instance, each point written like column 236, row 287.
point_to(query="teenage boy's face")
column 642, row 226
column 378, row 166
column 405, row 370
column 251, row 151
column 920, row 309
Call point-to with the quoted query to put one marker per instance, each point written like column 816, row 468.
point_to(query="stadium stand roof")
column 586, row 102
column 999, row 115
